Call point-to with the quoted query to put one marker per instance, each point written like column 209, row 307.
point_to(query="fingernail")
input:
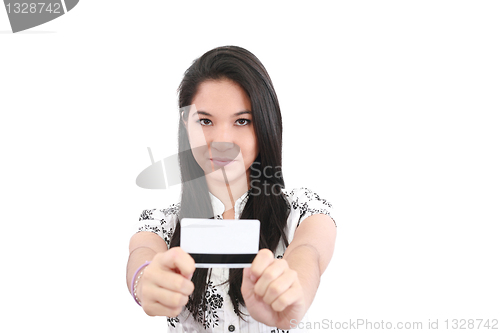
column 252, row 278
column 190, row 276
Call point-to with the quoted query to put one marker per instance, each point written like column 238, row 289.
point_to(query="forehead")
column 221, row 97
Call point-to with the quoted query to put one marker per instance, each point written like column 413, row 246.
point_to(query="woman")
column 229, row 112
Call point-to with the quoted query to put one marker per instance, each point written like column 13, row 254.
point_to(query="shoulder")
column 152, row 214
column 161, row 214
column 160, row 221
column 302, row 195
column 304, row 202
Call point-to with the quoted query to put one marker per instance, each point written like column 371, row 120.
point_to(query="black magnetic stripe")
column 204, row 258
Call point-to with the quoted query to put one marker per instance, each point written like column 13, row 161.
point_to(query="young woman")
column 229, row 112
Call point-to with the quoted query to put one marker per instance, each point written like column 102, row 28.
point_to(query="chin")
column 219, row 176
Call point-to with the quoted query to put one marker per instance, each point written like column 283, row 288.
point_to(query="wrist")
column 135, row 281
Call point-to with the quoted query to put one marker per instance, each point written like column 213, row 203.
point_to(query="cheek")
column 250, row 151
column 197, row 156
column 198, row 146
column 255, row 146
column 197, row 138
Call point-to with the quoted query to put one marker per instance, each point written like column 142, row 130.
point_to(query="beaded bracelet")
column 133, row 287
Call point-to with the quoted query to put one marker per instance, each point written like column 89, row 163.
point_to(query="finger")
column 246, row 284
column 288, row 298
column 152, row 294
column 172, row 281
column 271, row 273
column 176, row 259
column 263, row 259
column 158, row 309
column 279, row 286
column 169, row 298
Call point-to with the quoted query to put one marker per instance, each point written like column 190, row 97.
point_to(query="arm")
column 166, row 282
column 278, row 292
column 143, row 247
column 310, row 252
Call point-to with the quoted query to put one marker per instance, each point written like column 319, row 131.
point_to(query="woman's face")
column 220, row 129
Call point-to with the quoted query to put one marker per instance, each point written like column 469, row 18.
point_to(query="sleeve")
column 160, row 221
column 305, row 203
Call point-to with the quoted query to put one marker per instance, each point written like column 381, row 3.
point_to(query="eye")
column 245, row 122
column 204, row 122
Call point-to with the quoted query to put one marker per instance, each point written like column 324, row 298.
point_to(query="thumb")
column 176, row 260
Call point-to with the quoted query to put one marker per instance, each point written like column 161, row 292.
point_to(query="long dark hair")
column 265, row 202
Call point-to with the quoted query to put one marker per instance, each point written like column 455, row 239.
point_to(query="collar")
column 219, row 207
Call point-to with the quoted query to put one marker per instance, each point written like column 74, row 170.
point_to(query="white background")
column 390, row 111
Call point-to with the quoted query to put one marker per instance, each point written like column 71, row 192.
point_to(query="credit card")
column 220, row 243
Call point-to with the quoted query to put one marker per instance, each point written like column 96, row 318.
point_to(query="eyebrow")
column 234, row 115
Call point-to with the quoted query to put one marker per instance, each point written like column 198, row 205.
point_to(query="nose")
column 224, row 150
column 222, row 146
column 222, row 138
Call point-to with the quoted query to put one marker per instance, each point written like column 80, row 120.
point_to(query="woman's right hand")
column 166, row 283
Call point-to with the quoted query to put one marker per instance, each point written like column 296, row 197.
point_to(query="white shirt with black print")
column 219, row 312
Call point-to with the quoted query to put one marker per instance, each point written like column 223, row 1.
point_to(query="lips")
column 221, row 162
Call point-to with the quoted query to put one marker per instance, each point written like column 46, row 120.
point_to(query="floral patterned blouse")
column 219, row 312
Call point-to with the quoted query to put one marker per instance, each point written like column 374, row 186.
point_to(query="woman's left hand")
column 272, row 291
